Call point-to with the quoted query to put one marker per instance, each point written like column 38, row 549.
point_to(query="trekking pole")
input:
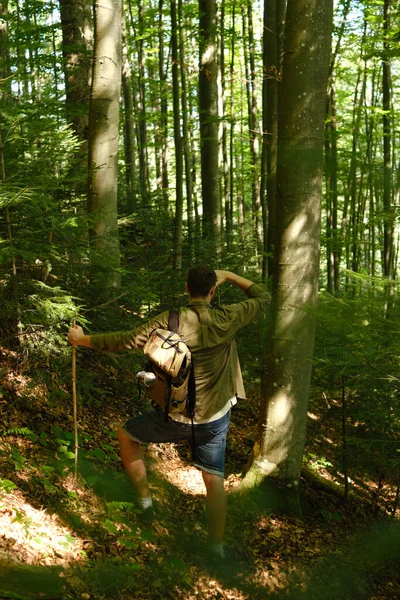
column 75, row 408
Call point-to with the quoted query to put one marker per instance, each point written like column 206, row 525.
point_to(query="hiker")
column 209, row 332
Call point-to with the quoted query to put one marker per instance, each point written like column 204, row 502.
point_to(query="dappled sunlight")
column 281, row 407
column 34, row 536
column 313, row 416
column 186, row 478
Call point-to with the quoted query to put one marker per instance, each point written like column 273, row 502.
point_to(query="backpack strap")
column 173, row 320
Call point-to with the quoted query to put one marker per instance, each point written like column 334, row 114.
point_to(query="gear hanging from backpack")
column 173, row 386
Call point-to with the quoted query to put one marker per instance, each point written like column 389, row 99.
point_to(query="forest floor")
column 83, row 538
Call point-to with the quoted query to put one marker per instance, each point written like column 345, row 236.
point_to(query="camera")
column 147, row 378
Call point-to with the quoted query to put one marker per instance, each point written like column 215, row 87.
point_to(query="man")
column 209, row 332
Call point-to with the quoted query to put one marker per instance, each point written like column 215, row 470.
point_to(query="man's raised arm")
column 240, row 282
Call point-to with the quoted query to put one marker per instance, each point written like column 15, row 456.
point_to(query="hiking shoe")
column 232, row 561
column 146, row 516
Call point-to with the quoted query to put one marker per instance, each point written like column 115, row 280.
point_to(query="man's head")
column 201, row 282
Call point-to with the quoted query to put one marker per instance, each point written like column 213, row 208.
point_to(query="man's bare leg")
column 133, row 460
column 216, row 507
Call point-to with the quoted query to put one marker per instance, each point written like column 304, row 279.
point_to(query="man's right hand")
column 76, row 337
column 240, row 282
column 222, row 276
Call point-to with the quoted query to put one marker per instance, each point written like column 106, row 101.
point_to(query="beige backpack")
column 172, row 387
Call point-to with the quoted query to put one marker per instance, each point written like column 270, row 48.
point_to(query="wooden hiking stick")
column 75, row 408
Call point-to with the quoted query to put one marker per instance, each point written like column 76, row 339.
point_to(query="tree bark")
column 186, row 137
column 278, row 451
column 273, row 11
column 208, row 114
column 249, row 50
column 177, row 249
column 164, row 108
column 76, row 46
column 129, row 123
column 103, row 144
column 388, row 234
column 141, row 103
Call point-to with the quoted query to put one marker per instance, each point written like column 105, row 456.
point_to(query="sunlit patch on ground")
column 186, row 478
column 34, row 536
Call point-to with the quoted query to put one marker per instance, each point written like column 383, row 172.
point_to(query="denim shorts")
column 210, row 438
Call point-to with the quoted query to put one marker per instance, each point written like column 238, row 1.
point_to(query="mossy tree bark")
column 279, row 448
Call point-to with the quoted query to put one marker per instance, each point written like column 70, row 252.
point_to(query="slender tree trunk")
column 164, row 108
column 332, row 233
column 229, row 208
column 186, row 136
column 253, row 128
column 129, row 123
column 77, row 49
column 221, row 114
column 272, row 74
column 103, row 143
column 141, row 102
column 388, row 253
column 5, row 71
column 280, row 442
column 208, row 114
column 177, row 250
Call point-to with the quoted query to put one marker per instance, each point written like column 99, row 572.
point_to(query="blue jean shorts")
column 210, row 438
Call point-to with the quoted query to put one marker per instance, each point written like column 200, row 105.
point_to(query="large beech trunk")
column 278, row 451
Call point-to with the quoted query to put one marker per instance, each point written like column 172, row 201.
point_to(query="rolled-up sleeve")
column 128, row 340
column 248, row 310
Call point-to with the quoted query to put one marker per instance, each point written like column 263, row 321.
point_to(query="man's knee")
column 123, row 438
column 212, row 481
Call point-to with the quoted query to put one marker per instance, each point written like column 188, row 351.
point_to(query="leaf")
column 97, row 453
column 48, row 468
column 148, row 536
column 7, row 485
column 109, row 525
column 127, row 543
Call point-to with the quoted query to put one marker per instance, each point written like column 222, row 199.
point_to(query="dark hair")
column 200, row 280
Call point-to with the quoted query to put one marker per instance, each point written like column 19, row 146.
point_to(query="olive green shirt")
column 209, row 332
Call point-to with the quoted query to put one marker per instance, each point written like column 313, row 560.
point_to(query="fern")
column 19, row 431
column 119, row 506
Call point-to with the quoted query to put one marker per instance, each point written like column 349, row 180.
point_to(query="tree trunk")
column 248, row 39
column 164, row 108
column 129, row 124
column 103, row 143
column 186, row 137
column 5, row 70
column 229, row 208
column 388, row 234
column 332, row 233
column 76, row 46
column 278, row 451
column 222, row 166
column 208, row 115
column 272, row 73
column 177, row 249
column 141, row 103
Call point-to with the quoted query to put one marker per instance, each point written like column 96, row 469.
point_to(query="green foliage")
column 357, row 359
column 7, row 486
